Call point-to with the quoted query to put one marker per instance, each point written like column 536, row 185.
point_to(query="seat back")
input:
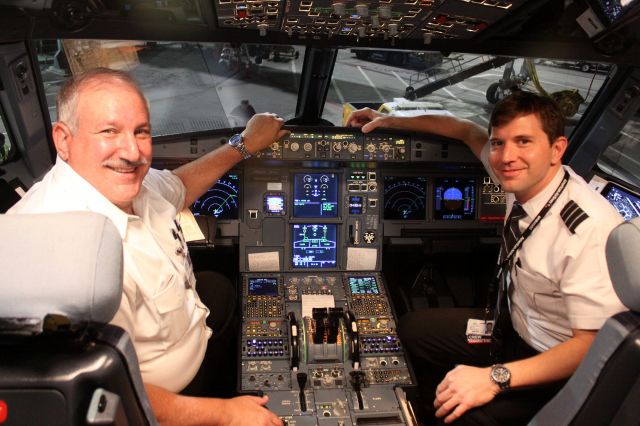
column 60, row 362
column 605, row 389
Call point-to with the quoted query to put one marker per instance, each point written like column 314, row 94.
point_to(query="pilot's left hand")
column 262, row 130
column 463, row 388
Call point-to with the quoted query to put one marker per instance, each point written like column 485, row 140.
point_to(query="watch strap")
column 237, row 142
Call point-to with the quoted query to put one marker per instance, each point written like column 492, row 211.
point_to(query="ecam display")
column 315, row 195
column 314, row 245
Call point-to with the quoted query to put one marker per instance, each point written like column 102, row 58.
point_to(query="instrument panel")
column 332, row 190
column 311, row 214
column 324, row 348
column 384, row 20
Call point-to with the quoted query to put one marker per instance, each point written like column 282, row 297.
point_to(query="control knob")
column 385, row 147
column 371, row 148
column 337, row 146
column 353, row 148
column 307, row 146
column 294, row 146
column 275, row 146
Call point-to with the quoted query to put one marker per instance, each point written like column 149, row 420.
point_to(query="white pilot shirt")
column 559, row 279
column 159, row 309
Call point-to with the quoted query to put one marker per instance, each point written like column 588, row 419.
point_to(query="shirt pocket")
column 541, row 294
column 172, row 314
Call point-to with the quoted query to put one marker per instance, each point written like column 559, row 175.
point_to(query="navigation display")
column 263, row 287
column 405, row 197
column 314, row 245
column 315, row 195
column 363, row 285
column 626, row 202
column 454, row 198
column 221, row 200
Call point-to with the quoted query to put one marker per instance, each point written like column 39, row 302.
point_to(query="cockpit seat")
column 605, row 389
column 61, row 363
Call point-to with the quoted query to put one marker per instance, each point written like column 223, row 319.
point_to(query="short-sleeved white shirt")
column 559, row 279
column 159, row 309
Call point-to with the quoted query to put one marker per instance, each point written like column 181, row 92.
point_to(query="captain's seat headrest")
column 623, row 260
column 66, row 264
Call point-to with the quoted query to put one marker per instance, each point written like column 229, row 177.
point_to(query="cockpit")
column 330, row 235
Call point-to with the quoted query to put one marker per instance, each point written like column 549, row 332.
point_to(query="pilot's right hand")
column 249, row 411
column 262, row 130
column 368, row 119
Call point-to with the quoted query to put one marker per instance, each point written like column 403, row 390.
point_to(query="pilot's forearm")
column 473, row 135
column 557, row 363
column 173, row 409
column 199, row 175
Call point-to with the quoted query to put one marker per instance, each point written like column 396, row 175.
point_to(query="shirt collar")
column 93, row 199
column 535, row 204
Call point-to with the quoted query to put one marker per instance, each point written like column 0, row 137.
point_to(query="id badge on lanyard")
column 479, row 331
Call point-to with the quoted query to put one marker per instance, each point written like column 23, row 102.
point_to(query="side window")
column 621, row 159
column 7, row 149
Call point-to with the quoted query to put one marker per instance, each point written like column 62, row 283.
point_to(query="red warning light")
column 480, row 26
column 4, row 411
column 441, row 19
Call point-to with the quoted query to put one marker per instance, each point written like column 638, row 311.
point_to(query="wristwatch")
column 237, row 142
column 501, row 376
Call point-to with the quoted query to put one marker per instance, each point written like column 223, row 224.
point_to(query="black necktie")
column 511, row 232
column 510, row 235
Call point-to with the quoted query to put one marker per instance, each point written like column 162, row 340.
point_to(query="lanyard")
column 502, row 266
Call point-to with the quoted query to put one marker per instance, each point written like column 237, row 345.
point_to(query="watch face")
column 500, row 374
column 235, row 139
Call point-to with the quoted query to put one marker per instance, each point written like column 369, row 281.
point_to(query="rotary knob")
column 275, row 146
column 294, row 146
column 337, row 146
column 307, row 146
column 353, row 148
column 371, row 148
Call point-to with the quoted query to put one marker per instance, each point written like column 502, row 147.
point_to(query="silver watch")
column 237, row 142
column 501, row 376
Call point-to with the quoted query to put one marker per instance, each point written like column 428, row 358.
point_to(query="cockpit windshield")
column 191, row 87
column 199, row 87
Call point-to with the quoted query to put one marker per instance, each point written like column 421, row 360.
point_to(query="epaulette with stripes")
column 572, row 216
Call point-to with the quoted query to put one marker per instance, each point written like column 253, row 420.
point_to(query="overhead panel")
column 383, row 20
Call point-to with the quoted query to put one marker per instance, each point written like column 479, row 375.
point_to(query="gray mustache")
column 124, row 163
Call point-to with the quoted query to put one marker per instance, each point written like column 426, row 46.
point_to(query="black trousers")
column 216, row 376
column 435, row 340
